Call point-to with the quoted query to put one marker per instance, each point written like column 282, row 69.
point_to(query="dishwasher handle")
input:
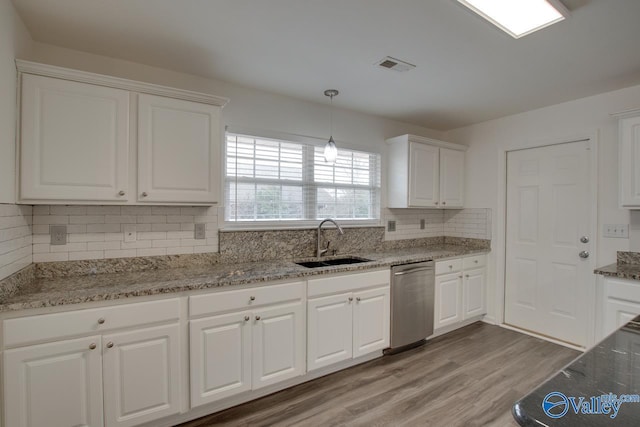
column 413, row 270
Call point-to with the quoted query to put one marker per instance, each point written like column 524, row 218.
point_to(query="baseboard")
column 542, row 337
column 490, row 320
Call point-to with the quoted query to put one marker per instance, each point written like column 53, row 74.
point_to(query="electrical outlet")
column 58, row 234
column 422, row 224
column 620, row 231
column 200, row 231
column 391, row 226
column 129, row 231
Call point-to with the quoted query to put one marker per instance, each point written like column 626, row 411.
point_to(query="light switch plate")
column 200, row 231
column 129, row 231
column 620, row 231
column 391, row 226
column 58, row 234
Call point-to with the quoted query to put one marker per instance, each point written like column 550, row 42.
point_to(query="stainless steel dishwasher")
column 412, row 299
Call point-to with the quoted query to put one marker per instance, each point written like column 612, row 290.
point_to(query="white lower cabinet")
column 460, row 291
column 351, row 323
column 109, row 378
column 621, row 303
column 259, row 344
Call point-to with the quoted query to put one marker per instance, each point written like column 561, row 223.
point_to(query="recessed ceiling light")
column 519, row 17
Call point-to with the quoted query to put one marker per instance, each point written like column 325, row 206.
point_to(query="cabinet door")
column 629, row 159
column 473, row 292
column 329, row 330
column 220, row 357
column 55, row 385
column 74, row 141
column 371, row 321
column 617, row 313
column 178, row 150
column 423, row 175
column 278, row 344
column 448, row 307
column 451, row 178
column 141, row 375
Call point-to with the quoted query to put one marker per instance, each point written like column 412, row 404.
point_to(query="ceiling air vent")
column 395, row 64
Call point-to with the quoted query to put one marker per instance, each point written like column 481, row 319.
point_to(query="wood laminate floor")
column 469, row 377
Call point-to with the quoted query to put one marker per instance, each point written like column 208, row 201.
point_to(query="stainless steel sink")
column 332, row 262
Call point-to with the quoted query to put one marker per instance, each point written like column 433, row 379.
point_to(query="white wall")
column 563, row 122
column 14, row 42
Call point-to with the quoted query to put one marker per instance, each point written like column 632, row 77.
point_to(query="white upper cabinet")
column 81, row 133
column 629, row 161
column 74, row 141
column 425, row 173
column 178, row 147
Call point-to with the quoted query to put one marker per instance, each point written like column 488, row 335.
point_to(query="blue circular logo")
column 555, row 404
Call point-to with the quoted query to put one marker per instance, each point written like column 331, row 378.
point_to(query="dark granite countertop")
column 627, row 266
column 611, row 369
column 81, row 289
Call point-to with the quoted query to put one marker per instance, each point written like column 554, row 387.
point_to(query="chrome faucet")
column 321, row 251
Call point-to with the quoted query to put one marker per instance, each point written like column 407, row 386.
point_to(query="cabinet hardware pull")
column 121, row 193
column 436, row 203
column 92, row 346
column 110, row 344
column 459, row 277
column 350, row 299
column 252, row 298
column 257, row 317
column 444, row 203
column 451, row 266
column 466, row 275
column 358, row 299
column 246, row 318
column 144, row 194
column 476, row 261
column 101, row 321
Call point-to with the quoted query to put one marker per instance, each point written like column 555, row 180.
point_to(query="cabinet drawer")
column 348, row 282
column 218, row 302
column 449, row 266
column 474, row 261
column 628, row 290
column 26, row 330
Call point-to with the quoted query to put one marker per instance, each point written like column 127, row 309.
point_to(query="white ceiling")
column 467, row 71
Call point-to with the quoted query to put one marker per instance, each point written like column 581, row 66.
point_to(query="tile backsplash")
column 465, row 223
column 15, row 238
column 97, row 232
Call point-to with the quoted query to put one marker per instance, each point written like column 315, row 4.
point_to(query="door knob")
column 584, row 239
column 584, row 254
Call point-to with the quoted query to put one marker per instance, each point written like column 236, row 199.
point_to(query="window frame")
column 310, row 201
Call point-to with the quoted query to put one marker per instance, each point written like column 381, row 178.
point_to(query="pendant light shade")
column 330, row 150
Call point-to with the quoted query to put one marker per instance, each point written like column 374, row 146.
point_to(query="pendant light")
column 330, row 150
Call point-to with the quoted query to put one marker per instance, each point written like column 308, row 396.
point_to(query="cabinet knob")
column 110, row 344
column 101, row 321
column 144, row 194
column 92, row 346
column 460, row 277
column 252, row 298
column 444, row 203
column 257, row 317
column 358, row 299
column 436, row 203
column 246, row 318
column 121, row 193
column 350, row 299
column 450, row 267
column 466, row 275
column 476, row 261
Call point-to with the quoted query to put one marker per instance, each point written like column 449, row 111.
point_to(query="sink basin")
column 330, row 262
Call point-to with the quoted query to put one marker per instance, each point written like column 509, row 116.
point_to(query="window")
column 277, row 180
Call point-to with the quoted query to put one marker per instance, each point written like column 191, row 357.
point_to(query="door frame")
column 501, row 229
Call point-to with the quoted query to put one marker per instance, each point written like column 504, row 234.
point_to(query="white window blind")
column 276, row 180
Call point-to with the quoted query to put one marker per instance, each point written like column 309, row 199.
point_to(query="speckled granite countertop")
column 81, row 289
column 626, row 267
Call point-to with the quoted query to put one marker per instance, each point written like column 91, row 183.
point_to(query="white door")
column 424, row 175
column 55, row 385
column 451, row 178
column 220, row 357
column 329, row 330
column 548, row 284
column 448, row 300
column 178, row 150
column 278, row 344
column 74, row 141
column 141, row 375
column 473, row 293
column 371, row 321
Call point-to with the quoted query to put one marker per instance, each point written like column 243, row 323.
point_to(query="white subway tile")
column 103, row 210
column 41, row 238
column 204, row 249
column 179, row 234
column 86, row 219
column 40, row 229
column 165, row 243
column 113, row 237
column 103, row 228
column 76, row 228
column 86, row 237
column 151, row 252
column 69, row 247
column 123, row 253
column 76, row 256
column 180, row 250
column 165, row 210
column 41, row 210
column 187, row 226
column 41, row 248
column 50, row 219
column 102, row 246
column 67, row 210
column 51, row 257
column 136, row 210
column 138, row 244
column 120, row 219
column 153, row 235
column 180, row 218
column 151, row 219
column 165, row 227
